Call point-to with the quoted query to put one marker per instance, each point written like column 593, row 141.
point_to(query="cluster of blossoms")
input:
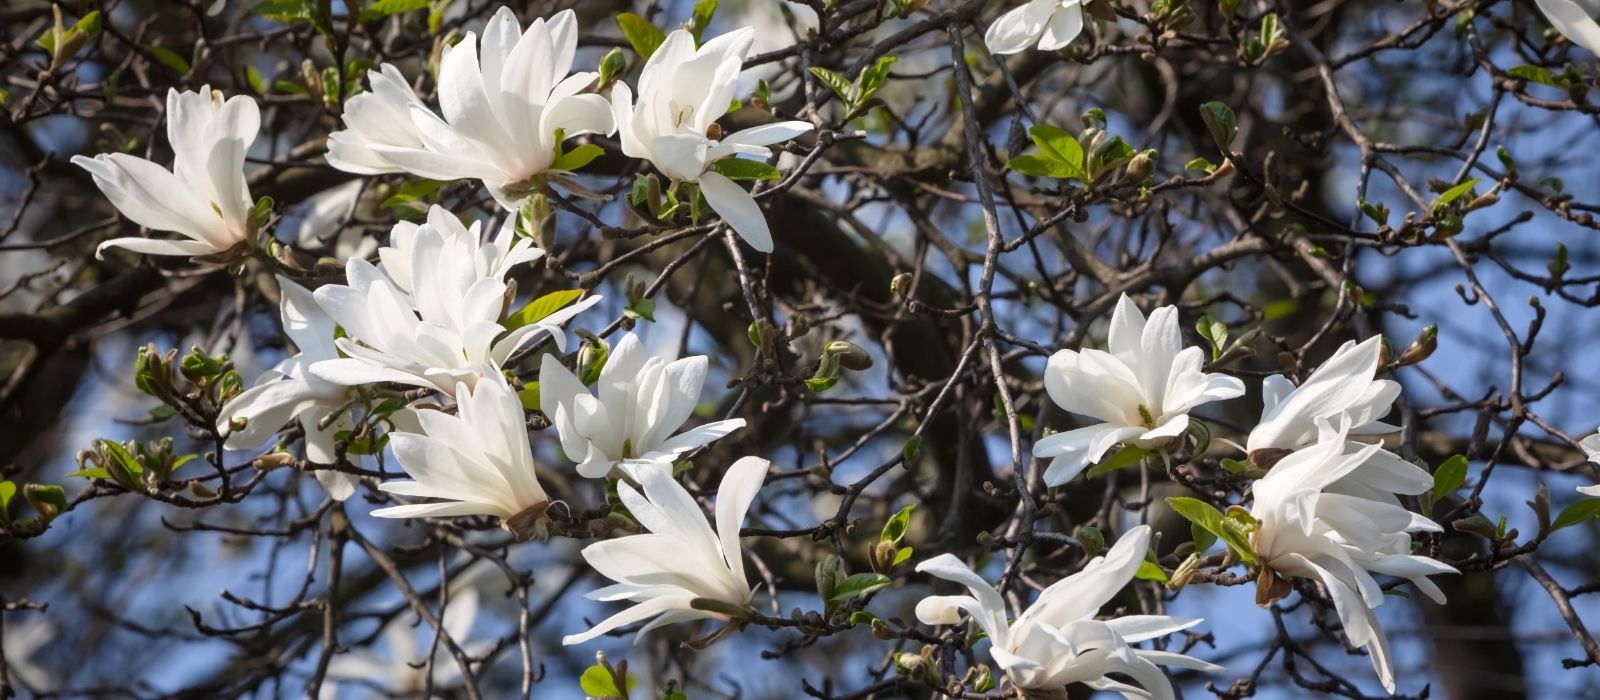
column 434, row 313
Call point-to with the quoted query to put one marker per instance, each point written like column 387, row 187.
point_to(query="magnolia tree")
column 807, row 348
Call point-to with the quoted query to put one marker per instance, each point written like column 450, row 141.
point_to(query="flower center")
column 1146, row 418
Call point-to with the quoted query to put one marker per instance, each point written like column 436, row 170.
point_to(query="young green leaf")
column 1449, row 476
column 837, row 83
column 895, row 528
column 1211, row 520
column 1584, row 510
column 703, row 11
column 858, row 585
column 539, row 308
column 1222, row 123
column 577, row 157
column 1128, row 456
column 643, row 36
column 746, row 169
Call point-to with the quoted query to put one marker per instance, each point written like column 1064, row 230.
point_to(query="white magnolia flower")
column 402, row 669
column 431, row 316
column 1575, row 19
column 681, row 558
column 476, row 461
column 1057, row 640
column 1344, row 390
column 1345, row 385
column 1143, row 389
column 1049, row 24
column 321, row 224
column 1591, row 448
column 502, row 111
column 682, row 93
column 1314, row 523
column 462, row 244
column 23, row 639
column 376, row 122
column 642, row 401
column 290, row 391
column 204, row 197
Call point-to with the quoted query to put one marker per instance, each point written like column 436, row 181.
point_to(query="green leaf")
column 858, row 585
column 1041, row 167
column 643, row 36
column 746, row 169
column 169, row 59
column 1128, row 456
column 1449, row 476
column 1150, row 571
column 538, row 309
column 895, row 528
column 901, row 557
column 1537, row 74
column 8, row 490
column 1058, row 145
column 597, row 682
column 1454, row 193
column 1586, row 509
column 1559, row 264
column 820, row 385
column 837, row 83
column 611, row 66
column 641, row 309
column 384, row 8
column 89, row 23
column 1235, row 466
column 410, row 191
column 703, row 11
column 90, row 473
column 124, row 458
column 528, row 395
column 862, row 617
column 253, row 77
column 48, row 500
column 1200, row 164
column 1222, row 123
column 577, row 157
column 1211, row 520
column 911, row 449
column 872, row 78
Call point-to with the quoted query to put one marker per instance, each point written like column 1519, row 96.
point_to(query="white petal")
column 1573, row 21
column 738, row 488
column 1020, row 28
column 738, row 208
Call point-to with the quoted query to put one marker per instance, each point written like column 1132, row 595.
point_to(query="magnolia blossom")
column 1057, row 640
column 1143, row 389
column 1591, row 448
column 476, row 461
column 204, row 197
column 1344, row 390
column 1314, row 522
column 465, row 246
column 377, row 122
column 682, row 93
column 1050, row 24
column 1575, row 19
column 403, row 670
column 431, row 316
column 23, row 640
column 289, row 391
column 321, row 226
column 504, row 108
column 642, row 400
column 681, row 559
